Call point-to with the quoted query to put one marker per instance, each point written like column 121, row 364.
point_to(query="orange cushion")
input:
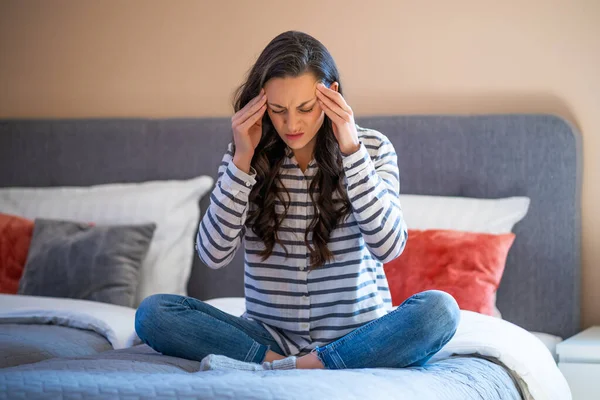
column 466, row 265
column 15, row 237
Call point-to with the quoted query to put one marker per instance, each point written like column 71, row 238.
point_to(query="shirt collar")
column 290, row 154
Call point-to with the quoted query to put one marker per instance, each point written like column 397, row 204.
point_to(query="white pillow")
column 172, row 204
column 463, row 213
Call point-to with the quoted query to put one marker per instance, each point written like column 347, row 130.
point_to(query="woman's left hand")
column 341, row 115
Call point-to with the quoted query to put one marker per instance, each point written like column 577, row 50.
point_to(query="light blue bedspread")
column 29, row 343
column 139, row 372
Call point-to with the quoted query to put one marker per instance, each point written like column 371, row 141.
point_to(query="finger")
column 331, row 114
column 335, row 96
column 334, row 107
column 243, row 116
column 254, row 118
column 249, row 108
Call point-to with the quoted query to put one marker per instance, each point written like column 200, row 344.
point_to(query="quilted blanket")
column 141, row 373
column 25, row 343
column 36, row 328
column 487, row 358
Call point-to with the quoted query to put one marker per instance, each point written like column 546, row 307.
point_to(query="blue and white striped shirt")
column 303, row 309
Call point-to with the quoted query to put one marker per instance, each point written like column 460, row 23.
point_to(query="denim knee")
column 443, row 309
column 151, row 314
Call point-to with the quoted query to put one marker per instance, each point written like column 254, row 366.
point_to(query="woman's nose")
column 293, row 123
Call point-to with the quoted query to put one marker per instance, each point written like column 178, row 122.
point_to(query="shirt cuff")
column 357, row 161
column 237, row 179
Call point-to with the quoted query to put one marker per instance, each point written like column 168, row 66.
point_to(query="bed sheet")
column 517, row 352
column 139, row 372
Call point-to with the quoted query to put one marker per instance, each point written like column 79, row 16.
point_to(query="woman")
column 316, row 199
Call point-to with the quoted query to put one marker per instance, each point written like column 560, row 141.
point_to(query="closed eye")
column 282, row 111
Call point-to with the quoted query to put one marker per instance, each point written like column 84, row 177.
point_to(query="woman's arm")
column 373, row 185
column 373, row 188
column 222, row 227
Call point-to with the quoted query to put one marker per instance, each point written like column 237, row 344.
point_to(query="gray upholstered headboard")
column 488, row 156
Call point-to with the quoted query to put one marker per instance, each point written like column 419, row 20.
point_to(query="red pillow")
column 15, row 237
column 467, row 265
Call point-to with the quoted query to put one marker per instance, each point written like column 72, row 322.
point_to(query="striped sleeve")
column 222, row 227
column 373, row 187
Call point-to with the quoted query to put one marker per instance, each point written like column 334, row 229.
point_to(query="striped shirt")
column 303, row 308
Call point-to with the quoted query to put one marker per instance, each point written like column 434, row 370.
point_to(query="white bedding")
column 115, row 323
column 550, row 341
column 518, row 350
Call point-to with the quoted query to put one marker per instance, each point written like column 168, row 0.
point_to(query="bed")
column 488, row 156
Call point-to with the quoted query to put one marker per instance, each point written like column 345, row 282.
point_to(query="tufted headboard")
column 489, row 156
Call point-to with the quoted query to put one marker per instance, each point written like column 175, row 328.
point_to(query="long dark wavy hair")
column 292, row 54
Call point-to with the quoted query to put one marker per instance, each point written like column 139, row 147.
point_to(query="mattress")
column 487, row 358
column 139, row 372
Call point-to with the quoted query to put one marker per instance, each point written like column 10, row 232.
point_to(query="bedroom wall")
column 68, row 58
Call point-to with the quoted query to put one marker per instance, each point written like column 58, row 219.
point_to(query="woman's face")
column 294, row 111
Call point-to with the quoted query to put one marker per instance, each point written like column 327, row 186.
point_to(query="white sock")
column 218, row 362
column 286, row 363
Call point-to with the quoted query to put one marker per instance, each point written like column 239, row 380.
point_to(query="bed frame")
column 488, row 156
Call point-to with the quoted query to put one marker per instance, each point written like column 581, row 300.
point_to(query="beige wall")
column 184, row 58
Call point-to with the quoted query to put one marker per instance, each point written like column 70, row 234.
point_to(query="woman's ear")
column 334, row 86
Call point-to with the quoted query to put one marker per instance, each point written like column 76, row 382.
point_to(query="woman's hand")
column 341, row 115
column 247, row 130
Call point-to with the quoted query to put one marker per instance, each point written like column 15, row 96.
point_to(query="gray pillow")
column 82, row 261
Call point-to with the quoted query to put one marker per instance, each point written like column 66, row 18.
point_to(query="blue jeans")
column 408, row 336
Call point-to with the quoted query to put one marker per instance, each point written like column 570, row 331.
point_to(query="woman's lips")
column 294, row 136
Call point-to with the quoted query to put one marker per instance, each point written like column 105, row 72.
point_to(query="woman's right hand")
column 247, row 130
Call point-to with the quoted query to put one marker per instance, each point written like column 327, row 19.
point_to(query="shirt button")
column 248, row 184
column 301, row 268
column 305, row 297
column 304, row 326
